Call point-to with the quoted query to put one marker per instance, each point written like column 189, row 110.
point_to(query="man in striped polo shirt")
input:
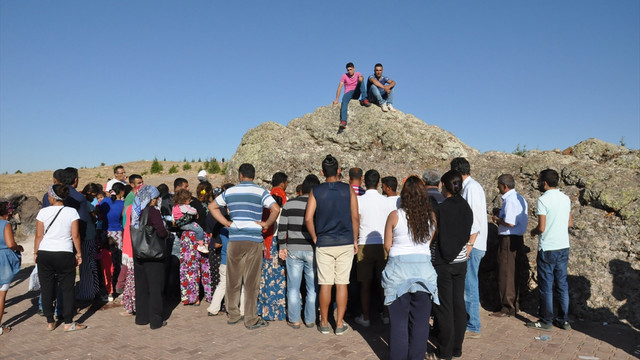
column 296, row 247
column 245, row 202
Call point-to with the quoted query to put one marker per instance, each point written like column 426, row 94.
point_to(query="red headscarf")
column 267, row 235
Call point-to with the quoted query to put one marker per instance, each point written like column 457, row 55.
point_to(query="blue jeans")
column 471, row 293
column 195, row 228
column 552, row 265
column 379, row 98
column 358, row 93
column 301, row 263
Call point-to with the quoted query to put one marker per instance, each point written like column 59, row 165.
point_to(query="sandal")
column 75, row 327
column 5, row 330
column 51, row 326
column 261, row 323
column 294, row 325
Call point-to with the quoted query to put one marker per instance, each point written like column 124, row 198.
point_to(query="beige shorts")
column 371, row 261
column 334, row 264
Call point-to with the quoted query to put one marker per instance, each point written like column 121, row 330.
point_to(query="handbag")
column 34, row 280
column 146, row 243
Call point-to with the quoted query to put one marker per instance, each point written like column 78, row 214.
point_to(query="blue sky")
column 88, row 82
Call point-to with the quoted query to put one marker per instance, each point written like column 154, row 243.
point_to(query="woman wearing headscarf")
column 273, row 283
column 449, row 255
column 9, row 257
column 57, row 235
column 149, row 274
column 409, row 279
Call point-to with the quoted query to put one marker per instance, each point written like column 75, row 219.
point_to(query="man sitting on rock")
column 381, row 89
column 354, row 88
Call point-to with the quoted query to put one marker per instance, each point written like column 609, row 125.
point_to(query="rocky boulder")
column 600, row 178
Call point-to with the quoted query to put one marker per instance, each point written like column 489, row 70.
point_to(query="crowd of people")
column 259, row 256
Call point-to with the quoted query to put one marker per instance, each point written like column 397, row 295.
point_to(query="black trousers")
column 451, row 314
column 150, row 281
column 60, row 267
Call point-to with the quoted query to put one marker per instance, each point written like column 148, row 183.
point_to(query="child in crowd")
column 184, row 216
column 104, row 258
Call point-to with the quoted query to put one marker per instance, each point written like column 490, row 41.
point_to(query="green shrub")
column 520, row 151
column 186, row 167
column 144, row 173
column 224, row 169
column 173, row 169
column 18, row 172
column 156, row 167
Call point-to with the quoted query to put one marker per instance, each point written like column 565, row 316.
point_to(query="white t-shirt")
column 110, row 183
column 58, row 237
column 403, row 240
column 374, row 210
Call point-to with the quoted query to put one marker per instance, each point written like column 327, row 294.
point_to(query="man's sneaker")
column 472, row 335
column 362, row 322
column 562, row 325
column 365, row 102
column 391, row 108
column 343, row 124
column 384, row 107
column 385, row 319
column 324, row 329
column 202, row 249
column 539, row 325
column 342, row 330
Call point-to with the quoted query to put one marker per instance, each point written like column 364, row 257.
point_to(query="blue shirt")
column 245, row 202
column 383, row 80
column 112, row 211
column 409, row 274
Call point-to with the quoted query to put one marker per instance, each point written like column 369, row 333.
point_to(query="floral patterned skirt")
column 129, row 294
column 194, row 269
column 273, row 288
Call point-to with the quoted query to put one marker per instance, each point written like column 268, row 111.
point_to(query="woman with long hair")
column 9, row 257
column 409, row 279
column 449, row 255
column 57, row 236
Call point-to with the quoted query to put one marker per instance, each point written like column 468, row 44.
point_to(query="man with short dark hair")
column 354, row 88
column 554, row 220
column 296, row 246
column 373, row 209
column 136, row 183
column 119, row 175
column 245, row 202
column 355, row 180
column 512, row 224
column 431, row 179
column 381, row 89
column 389, row 187
column 332, row 220
column 473, row 192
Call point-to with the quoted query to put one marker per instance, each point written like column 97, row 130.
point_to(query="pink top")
column 179, row 210
column 350, row 83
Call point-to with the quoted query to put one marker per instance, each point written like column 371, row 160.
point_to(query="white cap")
column 202, row 175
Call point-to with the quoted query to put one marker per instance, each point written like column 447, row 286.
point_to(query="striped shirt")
column 292, row 232
column 245, row 202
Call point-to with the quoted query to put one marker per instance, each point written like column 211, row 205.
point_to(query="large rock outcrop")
column 600, row 178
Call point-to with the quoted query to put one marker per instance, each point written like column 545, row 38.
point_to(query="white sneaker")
column 391, row 108
column 385, row 319
column 203, row 249
column 110, row 298
column 362, row 322
column 384, row 107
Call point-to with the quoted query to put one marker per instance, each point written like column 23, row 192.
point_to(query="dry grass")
column 37, row 183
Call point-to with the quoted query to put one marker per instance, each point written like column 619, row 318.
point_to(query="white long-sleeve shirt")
column 473, row 192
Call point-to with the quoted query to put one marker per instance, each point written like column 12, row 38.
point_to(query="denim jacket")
column 408, row 274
